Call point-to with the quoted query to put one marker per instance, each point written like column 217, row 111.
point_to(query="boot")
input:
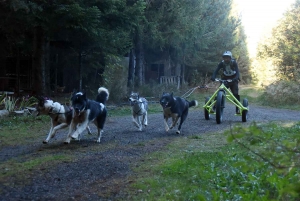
column 237, row 110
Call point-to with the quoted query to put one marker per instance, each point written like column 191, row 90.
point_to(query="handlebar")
column 223, row 81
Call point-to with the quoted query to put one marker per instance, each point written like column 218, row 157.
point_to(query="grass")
column 253, row 94
column 14, row 128
column 208, row 168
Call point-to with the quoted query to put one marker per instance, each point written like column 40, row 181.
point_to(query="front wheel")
column 220, row 106
column 245, row 112
column 206, row 113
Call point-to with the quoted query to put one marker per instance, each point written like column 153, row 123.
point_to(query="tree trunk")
column 182, row 73
column 37, row 57
column 46, row 69
column 80, row 70
column 55, row 73
column 130, row 79
column 139, row 52
column 17, row 87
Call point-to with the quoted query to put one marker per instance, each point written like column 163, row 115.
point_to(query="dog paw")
column 66, row 142
column 98, row 141
column 45, row 142
column 178, row 132
column 74, row 137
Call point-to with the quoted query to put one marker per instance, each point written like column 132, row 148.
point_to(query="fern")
column 10, row 103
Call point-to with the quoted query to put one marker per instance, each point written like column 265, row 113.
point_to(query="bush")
column 283, row 92
column 115, row 81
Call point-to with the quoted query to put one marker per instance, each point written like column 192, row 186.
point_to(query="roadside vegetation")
column 256, row 165
column 257, row 162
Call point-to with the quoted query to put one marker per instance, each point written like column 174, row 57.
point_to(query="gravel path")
column 100, row 173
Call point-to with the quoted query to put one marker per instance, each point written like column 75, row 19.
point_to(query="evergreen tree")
column 282, row 46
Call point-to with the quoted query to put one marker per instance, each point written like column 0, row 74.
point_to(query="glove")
column 212, row 79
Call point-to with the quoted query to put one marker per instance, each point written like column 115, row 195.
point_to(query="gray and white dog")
column 139, row 108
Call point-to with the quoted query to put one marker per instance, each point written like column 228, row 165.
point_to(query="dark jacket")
column 230, row 71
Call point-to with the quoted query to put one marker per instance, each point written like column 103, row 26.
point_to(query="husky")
column 139, row 108
column 85, row 111
column 175, row 107
column 61, row 115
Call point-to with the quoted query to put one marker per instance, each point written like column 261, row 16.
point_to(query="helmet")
column 227, row 53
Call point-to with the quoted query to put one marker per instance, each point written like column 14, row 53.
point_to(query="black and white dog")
column 61, row 115
column 139, row 109
column 175, row 107
column 85, row 111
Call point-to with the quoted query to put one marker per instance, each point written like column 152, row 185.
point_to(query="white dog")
column 139, row 108
column 61, row 116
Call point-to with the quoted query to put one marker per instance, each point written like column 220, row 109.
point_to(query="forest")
column 76, row 44
column 65, row 45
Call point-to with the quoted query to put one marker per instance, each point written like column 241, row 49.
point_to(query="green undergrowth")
column 22, row 129
column 261, row 162
column 253, row 94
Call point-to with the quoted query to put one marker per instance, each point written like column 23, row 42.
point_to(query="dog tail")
column 103, row 95
column 193, row 103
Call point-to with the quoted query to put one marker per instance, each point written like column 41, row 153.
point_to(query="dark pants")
column 234, row 87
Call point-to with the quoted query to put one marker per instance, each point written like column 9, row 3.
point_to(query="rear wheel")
column 245, row 112
column 220, row 106
column 206, row 113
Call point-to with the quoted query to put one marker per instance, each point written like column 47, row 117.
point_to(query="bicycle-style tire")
column 220, row 106
column 245, row 112
column 206, row 113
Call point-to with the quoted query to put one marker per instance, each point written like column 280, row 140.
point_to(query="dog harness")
column 70, row 110
column 138, row 103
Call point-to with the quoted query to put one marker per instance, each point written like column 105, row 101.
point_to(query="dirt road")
column 101, row 171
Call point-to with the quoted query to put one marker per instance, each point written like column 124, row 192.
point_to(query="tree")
column 86, row 29
column 282, row 46
column 193, row 33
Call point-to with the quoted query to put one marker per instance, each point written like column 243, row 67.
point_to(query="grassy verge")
column 208, row 168
column 13, row 129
